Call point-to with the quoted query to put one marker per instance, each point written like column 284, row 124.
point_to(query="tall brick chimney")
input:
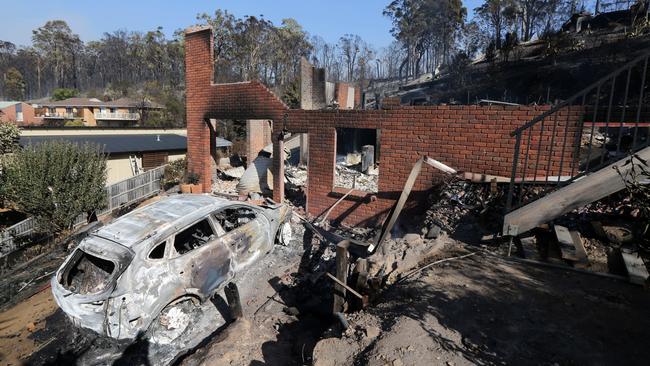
column 199, row 60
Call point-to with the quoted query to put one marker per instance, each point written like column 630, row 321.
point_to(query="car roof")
column 142, row 223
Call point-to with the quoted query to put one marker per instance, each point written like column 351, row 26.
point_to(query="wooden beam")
column 588, row 189
column 571, row 246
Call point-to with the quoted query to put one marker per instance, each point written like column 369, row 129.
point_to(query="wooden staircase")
column 565, row 158
column 587, row 189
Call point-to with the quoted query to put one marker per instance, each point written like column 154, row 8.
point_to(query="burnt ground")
column 488, row 310
column 483, row 309
column 281, row 297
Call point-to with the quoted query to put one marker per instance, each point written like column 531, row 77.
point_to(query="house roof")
column 74, row 102
column 121, row 144
column 94, row 102
column 4, row 105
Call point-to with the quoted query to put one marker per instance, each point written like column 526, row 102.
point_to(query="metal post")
column 513, row 175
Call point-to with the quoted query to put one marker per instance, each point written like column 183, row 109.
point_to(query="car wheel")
column 173, row 321
column 284, row 234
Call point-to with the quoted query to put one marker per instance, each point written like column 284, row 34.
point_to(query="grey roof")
column 4, row 105
column 74, row 102
column 119, row 144
column 116, row 144
column 180, row 210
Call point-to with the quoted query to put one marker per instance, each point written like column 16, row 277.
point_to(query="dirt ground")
column 489, row 310
column 18, row 324
column 483, row 309
column 285, row 319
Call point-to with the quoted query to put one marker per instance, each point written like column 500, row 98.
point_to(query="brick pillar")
column 258, row 135
column 198, row 78
column 278, row 168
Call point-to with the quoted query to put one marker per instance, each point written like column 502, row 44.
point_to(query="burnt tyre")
column 284, row 233
column 174, row 322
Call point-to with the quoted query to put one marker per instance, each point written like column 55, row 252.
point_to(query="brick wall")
column 312, row 86
column 468, row 138
column 29, row 116
column 342, row 95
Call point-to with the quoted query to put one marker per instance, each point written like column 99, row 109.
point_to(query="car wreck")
column 146, row 272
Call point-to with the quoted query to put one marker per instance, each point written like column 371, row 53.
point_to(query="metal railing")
column 117, row 115
column 595, row 127
column 61, row 115
column 120, row 194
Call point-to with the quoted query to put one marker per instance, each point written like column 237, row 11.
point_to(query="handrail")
column 606, row 101
column 584, row 91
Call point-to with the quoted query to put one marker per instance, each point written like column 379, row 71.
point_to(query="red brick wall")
column 29, row 118
column 468, row 138
column 8, row 114
column 342, row 95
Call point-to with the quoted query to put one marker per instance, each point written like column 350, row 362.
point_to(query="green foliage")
column 174, row 172
column 291, row 95
column 64, row 93
column 173, row 113
column 252, row 48
column 9, row 137
column 638, row 191
column 74, row 123
column 58, row 48
column 192, row 178
column 56, row 181
column 14, row 84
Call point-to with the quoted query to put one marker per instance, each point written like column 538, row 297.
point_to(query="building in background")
column 23, row 114
column 123, row 112
column 130, row 151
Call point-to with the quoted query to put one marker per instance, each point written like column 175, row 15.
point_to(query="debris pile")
column 457, row 201
column 296, row 175
column 348, row 177
column 225, row 181
column 295, row 179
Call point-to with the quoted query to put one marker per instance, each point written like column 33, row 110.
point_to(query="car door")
column 150, row 275
column 201, row 262
column 246, row 233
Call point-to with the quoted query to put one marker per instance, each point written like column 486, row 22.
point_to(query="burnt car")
column 145, row 270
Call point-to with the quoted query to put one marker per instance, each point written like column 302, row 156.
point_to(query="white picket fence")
column 118, row 195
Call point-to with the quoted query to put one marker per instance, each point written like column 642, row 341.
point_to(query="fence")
column 118, row 195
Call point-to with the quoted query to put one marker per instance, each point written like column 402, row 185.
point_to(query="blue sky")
column 90, row 19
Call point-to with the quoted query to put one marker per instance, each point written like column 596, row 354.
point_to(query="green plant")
column 64, row 93
column 174, row 172
column 9, row 137
column 636, row 184
column 74, row 123
column 192, row 178
column 55, row 182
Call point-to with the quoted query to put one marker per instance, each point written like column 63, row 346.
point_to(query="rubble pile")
column 296, row 175
column 347, row 177
column 457, row 201
column 295, row 182
column 225, row 181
